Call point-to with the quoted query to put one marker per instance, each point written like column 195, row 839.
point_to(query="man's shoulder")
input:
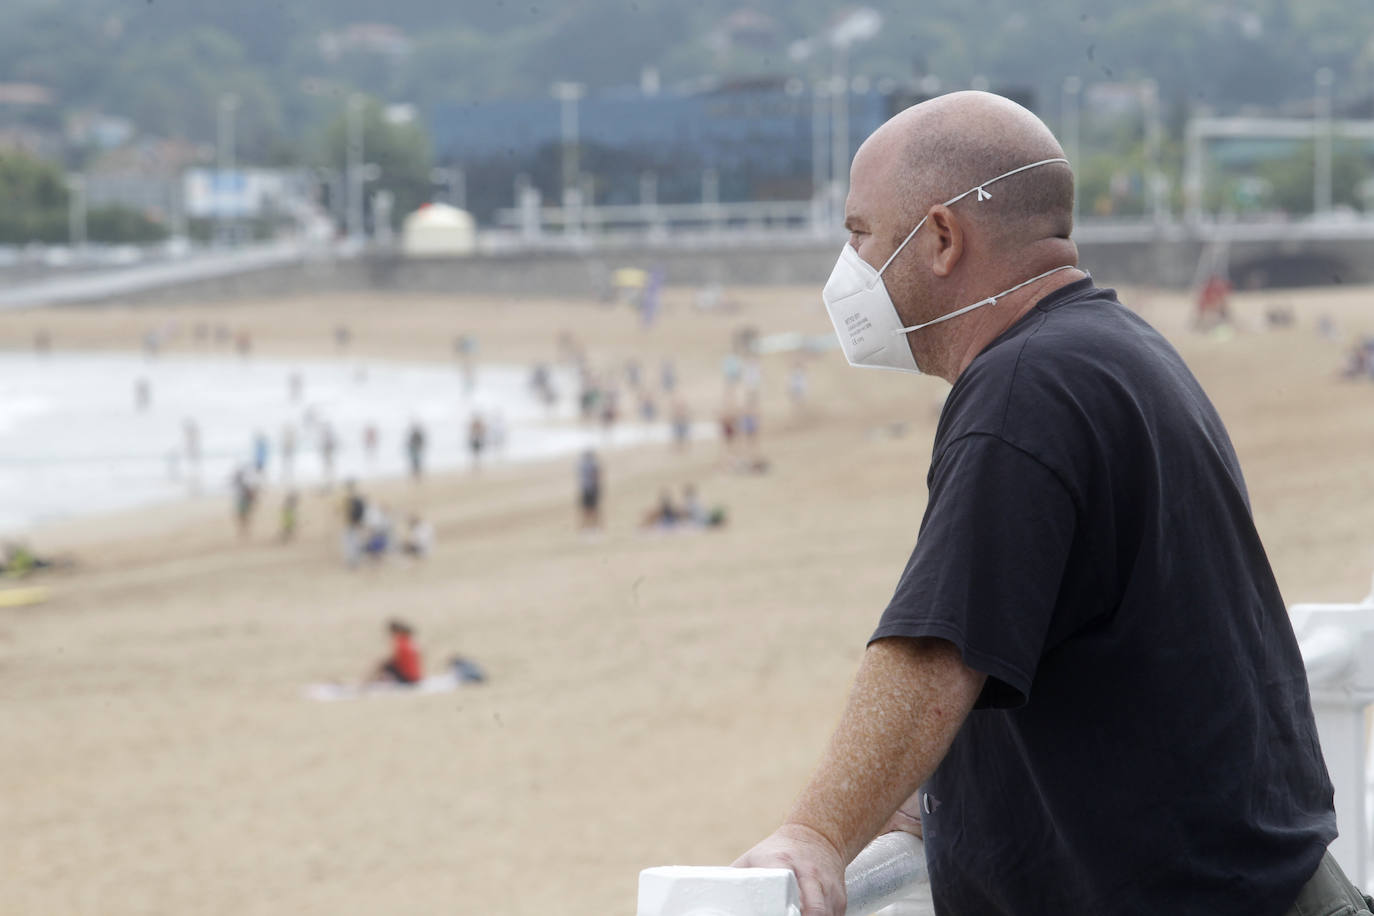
column 1059, row 356
column 1058, row 341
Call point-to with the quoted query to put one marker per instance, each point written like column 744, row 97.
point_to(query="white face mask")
column 869, row 328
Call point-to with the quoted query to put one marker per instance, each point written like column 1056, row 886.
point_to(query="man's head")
column 975, row 247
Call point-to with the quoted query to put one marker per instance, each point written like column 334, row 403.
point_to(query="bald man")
column 1085, row 692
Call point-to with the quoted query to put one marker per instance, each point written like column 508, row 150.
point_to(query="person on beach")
column 260, row 452
column 1085, row 692
column 190, row 434
column 796, row 387
column 403, row 665
column 143, row 394
column 370, row 441
column 589, row 490
column 415, row 450
column 329, row 446
column 377, row 532
column 667, row 377
column 477, row 439
column 419, row 538
column 290, row 517
column 245, row 488
column 18, row 560
column 288, row 453
column 664, row 514
column 681, row 424
column 697, row 514
column 354, row 515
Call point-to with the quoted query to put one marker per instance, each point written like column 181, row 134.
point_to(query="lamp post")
column 353, row 168
column 1154, row 130
column 1068, row 113
column 76, row 212
column 225, row 155
column 568, row 95
column 819, row 165
column 1322, row 147
column 858, row 26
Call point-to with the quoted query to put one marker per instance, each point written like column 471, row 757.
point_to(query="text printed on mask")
column 856, row 324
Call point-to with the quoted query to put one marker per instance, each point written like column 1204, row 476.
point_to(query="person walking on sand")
column 288, row 453
column 355, row 530
column 589, row 490
column 245, row 487
column 329, row 446
column 415, row 450
column 370, row 441
column 290, row 516
column 477, row 439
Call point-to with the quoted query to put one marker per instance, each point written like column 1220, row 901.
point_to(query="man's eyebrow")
column 855, row 223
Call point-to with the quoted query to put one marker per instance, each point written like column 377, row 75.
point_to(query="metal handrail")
column 885, row 871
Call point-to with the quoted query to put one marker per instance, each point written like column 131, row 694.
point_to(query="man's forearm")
column 909, row 699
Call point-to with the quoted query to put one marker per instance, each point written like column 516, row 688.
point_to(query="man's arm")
column 909, row 699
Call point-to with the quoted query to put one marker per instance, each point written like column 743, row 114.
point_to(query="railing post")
column 1337, row 643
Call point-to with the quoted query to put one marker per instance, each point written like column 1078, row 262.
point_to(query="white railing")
column 1337, row 643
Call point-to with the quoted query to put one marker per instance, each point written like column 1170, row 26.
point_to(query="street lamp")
column 1321, row 170
column 819, row 143
column 228, row 105
column 569, row 94
column 858, row 26
column 1068, row 113
column 353, row 168
column 1154, row 134
column 76, row 211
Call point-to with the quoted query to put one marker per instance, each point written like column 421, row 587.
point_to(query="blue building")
column 757, row 139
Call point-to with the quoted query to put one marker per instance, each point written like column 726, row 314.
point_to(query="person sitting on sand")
column 697, row 514
column 19, row 561
column 419, row 538
column 378, row 530
column 403, row 665
column 665, row 514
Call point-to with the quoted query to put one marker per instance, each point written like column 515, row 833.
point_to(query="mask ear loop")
column 983, row 194
column 990, row 300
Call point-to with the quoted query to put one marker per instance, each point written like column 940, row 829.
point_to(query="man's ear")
column 949, row 240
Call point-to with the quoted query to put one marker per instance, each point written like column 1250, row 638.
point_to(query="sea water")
column 74, row 439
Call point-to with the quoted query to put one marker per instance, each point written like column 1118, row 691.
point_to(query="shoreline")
column 159, row 470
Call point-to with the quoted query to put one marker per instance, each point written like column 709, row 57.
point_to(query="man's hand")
column 907, row 818
column 815, row 861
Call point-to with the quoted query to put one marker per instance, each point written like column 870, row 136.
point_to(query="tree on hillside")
column 399, row 147
column 36, row 208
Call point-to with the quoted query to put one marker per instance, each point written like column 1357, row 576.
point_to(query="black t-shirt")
column 1145, row 742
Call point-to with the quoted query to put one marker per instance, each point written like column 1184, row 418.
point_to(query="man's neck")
column 993, row 321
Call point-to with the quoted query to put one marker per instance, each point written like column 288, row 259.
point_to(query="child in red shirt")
column 403, row 666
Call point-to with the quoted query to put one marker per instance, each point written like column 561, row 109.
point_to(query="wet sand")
column 653, row 698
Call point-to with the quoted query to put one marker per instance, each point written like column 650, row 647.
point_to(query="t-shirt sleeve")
column 989, row 560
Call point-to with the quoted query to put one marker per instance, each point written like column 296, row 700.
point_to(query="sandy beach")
column 653, row 698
